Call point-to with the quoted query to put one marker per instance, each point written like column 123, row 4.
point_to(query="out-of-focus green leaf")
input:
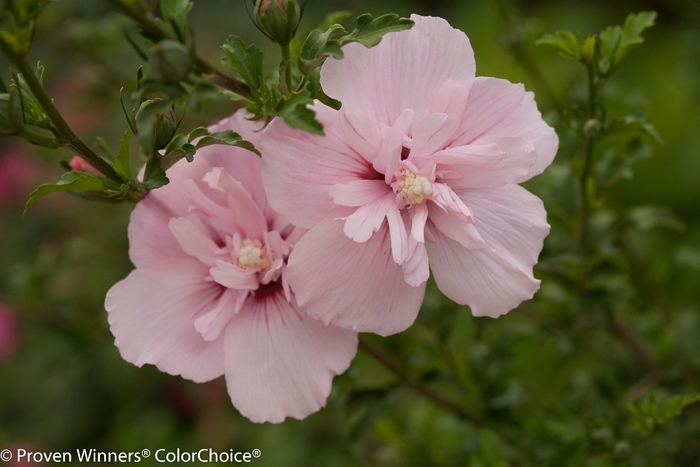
column 70, row 181
column 650, row 414
column 636, row 123
column 175, row 12
column 646, row 218
column 566, row 41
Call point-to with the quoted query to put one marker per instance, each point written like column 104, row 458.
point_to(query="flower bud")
column 11, row 114
column 278, row 19
column 169, row 61
column 155, row 124
column 79, row 165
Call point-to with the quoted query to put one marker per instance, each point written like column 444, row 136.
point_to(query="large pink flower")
column 417, row 171
column 209, row 294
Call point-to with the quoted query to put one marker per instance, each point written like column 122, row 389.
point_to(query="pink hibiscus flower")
column 209, row 294
column 418, row 170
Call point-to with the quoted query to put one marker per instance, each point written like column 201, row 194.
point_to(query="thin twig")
column 395, row 367
column 157, row 31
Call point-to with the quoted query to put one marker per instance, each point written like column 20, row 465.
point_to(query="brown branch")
column 395, row 367
column 147, row 22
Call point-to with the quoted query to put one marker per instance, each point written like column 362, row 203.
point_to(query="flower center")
column 414, row 187
column 252, row 255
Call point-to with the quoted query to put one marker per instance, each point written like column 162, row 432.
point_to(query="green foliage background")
column 583, row 375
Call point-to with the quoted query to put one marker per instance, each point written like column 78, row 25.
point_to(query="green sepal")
column 70, row 181
column 122, row 163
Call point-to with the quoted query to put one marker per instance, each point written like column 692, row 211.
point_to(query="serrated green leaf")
column 616, row 41
column 566, row 41
column 122, row 163
column 650, row 414
column 70, row 181
column 369, row 31
column 226, row 137
column 634, row 26
column 247, row 61
column 319, row 45
column 197, row 133
column 154, row 177
column 175, row 12
column 296, row 114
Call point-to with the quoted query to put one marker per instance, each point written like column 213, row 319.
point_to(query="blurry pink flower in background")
column 17, row 173
column 9, row 333
column 209, row 294
column 418, row 170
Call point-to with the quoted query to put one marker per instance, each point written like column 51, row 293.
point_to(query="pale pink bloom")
column 209, row 294
column 79, row 165
column 9, row 333
column 417, row 171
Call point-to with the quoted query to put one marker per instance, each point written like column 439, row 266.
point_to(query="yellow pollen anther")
column 414, row 187
column 252, row 256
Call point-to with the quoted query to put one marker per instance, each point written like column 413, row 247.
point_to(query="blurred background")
column 551, row 380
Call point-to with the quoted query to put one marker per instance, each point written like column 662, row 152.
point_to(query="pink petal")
column 397, row 234
column 234, row 277
column 193, row 240
column 299, row 168
column 419, row 215
column 367, row 219
column 362, row 134
column 451, row 99
column 454, row 228
column 416, row 268
column 358, row 192
column 248, row 214
column 152, row 314
column 430, row 134
column 211, row 323
column 357, row 286
column 389, row 153
column 512, row 222
column 499, row 108
column 510, row 159
column 279, row 362
column 405, row 71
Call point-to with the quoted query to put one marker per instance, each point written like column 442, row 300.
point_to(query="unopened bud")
column 11, row 114
column 79, row 165
column 169, row 61
column 278, row 19
column 155, row 124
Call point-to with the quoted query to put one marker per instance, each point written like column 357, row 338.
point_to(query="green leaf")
column 646, row 218
column 319, row 45
column 616, row 41
column 226, row 137
column 70, row 181
column 197, row 133
column 154, row 176
column 635, row 123
column 566, row 41
column 649, row 414
column 369, row 31
column 247, row 61
column 296, row 114
column 122, row 164
column 175, row 12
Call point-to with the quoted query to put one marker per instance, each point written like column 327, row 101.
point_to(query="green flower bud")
column 155, row 125
column 11, row 114
column 278, row 19
column 169, row 61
